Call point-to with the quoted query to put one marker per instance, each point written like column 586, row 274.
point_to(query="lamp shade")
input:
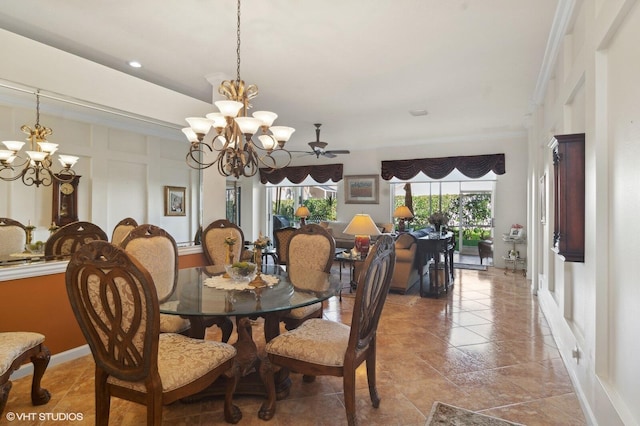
column 302, row 211
column 402, row 212
column 362, row 224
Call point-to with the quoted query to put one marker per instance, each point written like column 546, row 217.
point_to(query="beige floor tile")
column 484, row 347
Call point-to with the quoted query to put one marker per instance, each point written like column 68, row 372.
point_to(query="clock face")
column 66, row 188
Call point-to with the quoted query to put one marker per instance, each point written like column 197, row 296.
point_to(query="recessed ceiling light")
column 418, row 112
column 135, row 64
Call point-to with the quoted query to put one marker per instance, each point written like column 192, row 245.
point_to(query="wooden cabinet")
column 569, row 176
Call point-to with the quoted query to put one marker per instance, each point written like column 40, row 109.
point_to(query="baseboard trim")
column 62, row 357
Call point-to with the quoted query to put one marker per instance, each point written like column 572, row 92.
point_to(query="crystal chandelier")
column 36, row 168
column 237, row 153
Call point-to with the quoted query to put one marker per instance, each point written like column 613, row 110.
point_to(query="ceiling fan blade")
column 329, row 154
column 338, row 151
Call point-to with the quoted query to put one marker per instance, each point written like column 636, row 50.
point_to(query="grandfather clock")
column 65, row 201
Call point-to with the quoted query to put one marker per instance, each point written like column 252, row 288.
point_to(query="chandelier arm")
column 11, row 178
column 65, row 175
column 40, row 178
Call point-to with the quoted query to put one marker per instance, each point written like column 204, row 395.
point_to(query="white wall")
column 592, row 306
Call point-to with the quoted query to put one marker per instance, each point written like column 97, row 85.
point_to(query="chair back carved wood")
column 122, row 229
column 323, row 347
column 116, row 305
column 213, row 241
column 68, row 239
column 13, row 237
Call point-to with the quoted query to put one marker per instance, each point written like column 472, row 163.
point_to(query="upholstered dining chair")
column 281, row 241
column 68, row 239
column 213, row 241
column 323, row 347
column 122, row 229
column 157, row 251
column 16, row 347
column 13, row 237
column 311, row 248
column 116, row 305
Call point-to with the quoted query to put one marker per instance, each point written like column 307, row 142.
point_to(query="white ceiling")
column 358, row 67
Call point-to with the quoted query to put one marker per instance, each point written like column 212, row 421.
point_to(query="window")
column 468, row 204
column 283, row 201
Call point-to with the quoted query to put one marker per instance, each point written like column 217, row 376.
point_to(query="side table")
column 340, row 257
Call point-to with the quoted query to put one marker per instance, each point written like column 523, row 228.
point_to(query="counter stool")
column 15, row 349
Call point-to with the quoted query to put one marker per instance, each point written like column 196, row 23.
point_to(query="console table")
column 430, row 247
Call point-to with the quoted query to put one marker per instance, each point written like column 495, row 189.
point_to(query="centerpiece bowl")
column 241, row 271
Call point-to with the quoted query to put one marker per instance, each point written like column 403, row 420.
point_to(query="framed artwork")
column 516, row 233
column 175, row 201
column 362, row 189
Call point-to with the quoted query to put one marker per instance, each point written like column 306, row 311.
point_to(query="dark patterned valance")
column 472, row 166
column 297, row 174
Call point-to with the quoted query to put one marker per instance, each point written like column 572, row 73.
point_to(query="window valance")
column 297, row 174
column 472, row 166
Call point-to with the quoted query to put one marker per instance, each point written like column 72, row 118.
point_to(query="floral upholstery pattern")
column 181, row 360
column 157, row 255
column 316, row 341
column 217, row 249
column 173, row 323
column 308, row 252
column 15, row 343
column 12, row 240
column 120, row 233
column 128, row 298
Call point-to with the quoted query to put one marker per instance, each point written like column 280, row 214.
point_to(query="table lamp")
column 402, row 213
column 303, row 213
column 362, row 226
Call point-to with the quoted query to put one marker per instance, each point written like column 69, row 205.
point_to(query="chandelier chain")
column 238, row 46
column 37, row 108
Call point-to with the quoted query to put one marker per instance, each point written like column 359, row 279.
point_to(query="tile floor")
column 486, row 347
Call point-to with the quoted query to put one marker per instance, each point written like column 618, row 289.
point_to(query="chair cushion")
column 173, row 324
column 299, row 313
column 182, row 360
column 316, row 341
column 15, row 343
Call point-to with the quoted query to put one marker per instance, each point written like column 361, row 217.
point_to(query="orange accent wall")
column 41, row 304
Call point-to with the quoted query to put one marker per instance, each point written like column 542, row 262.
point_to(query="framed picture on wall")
column 362, row 189
column 175, row 201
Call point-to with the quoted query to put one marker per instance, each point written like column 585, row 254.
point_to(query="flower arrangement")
column 230, row 241
column 262, row 242
column 438, row 219
column 517, row 226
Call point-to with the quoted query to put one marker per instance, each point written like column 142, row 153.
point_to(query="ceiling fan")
column 318, row 147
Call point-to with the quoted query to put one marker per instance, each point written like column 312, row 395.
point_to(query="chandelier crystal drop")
column 233, row 131
column 35, row 168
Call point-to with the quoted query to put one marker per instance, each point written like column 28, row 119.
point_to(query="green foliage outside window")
column 320, row 209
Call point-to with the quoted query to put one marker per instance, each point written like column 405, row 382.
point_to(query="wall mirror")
column 125, row 163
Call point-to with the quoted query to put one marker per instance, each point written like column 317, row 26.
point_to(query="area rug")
column 443, row 414
column 470, row 266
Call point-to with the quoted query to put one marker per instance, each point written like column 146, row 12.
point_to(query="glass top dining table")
column 193, row 297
